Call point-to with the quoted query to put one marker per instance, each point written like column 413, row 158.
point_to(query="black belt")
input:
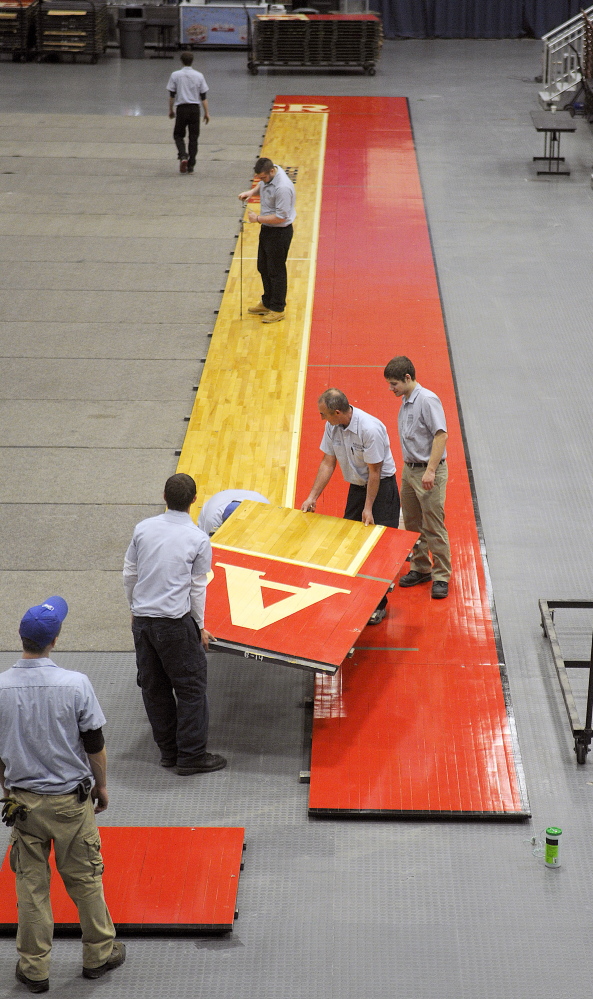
column 420, row 464
column 27, row 791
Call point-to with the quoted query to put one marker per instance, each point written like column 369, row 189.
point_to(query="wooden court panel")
column 298, row 588
column 423, row 723
column 244, row 429
column 156, row 880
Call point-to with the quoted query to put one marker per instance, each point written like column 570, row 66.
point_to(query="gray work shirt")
column 363, row 442
column 165, row 555
column 278, row 198
column 187, row 85
column 210, row 518
column 43, row 710
column 420, row 417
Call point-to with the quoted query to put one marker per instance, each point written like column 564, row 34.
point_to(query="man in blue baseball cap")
column 51, row 774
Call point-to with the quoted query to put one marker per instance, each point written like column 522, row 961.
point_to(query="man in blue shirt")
column 165, row 576
column 52, row 767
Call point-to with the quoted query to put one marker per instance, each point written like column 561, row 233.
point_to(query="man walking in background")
column 423, row 438
column 187, row 92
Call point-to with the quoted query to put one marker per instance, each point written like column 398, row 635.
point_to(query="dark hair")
column 33, row 647
column 398, row 368
column 180, row 491
column 334, row 400
column 263, row 165
column 187, row 58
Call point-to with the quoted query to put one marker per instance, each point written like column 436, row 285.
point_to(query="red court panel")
column 250, row 615
column 422, row 725
column 164, row 879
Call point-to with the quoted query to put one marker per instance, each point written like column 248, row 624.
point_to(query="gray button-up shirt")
column 165, row 567
column 363, row 442
column 419, row 419
column 277, row 197
column 211, row 513
column 43, row 710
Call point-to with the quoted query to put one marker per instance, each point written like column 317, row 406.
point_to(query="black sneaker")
column 204, row 765
column 440, row 590
column 412, row 578
column 118, row 956
column 33, row 984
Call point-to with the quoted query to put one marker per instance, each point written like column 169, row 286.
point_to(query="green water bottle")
column 552, row 848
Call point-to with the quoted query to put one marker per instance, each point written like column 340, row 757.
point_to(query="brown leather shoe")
column 117, row 958
column 258, row 310
column 272, row 317
column 33, row 984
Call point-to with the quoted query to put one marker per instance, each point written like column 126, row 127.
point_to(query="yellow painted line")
column 285, row 561
column 365, row 550
column 293, row 460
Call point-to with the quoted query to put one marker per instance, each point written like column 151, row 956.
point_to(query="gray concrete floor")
column 97, row 377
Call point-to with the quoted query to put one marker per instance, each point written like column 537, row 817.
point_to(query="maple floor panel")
column 157, row 880
column 419, row 721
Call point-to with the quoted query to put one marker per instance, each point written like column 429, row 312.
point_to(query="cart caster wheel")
column 370, row 70
column 252, row 68
column 581, row 750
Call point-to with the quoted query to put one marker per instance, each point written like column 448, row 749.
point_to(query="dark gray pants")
column 385, row 508
column 274, row 244
column 172, row 672
column 187, row 116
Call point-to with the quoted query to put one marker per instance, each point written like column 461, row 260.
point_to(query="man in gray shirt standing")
column 53, row 765
column 187, row 92
column 277, row 213
column 423, row 438
column 165, row 572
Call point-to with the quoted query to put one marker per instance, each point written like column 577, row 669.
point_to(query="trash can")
column 132, row 30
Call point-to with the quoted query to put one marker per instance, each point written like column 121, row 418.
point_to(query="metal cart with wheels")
column 311, row 41
column 582, row 733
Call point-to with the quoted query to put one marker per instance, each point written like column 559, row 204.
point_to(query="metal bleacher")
column 560, row 70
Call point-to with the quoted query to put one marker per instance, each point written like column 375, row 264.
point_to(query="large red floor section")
column 417, row 722
column 157, row 879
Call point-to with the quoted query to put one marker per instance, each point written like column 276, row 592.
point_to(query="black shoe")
column 168, row 761
column 412, row 578
column 204, row 765
column 33, row 984
column 377, row 615
column 118, row 956
column 440, row 590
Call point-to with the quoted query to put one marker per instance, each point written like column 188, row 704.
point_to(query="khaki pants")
column 77, row 846
column 424, row 511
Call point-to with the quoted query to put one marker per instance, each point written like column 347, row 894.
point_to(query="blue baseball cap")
column 42, row 624
column 228, row 510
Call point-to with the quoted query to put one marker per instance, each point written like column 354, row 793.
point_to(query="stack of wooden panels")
column 75, row 26
column 316, row 40
column 17, row 26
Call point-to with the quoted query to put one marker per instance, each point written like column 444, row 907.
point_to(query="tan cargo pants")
column 424, row 511
column 72, row 828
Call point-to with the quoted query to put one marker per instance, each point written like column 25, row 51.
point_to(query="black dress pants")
column 385, row 508
column 172, row 672
column 187, row 117
column 274, row 243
